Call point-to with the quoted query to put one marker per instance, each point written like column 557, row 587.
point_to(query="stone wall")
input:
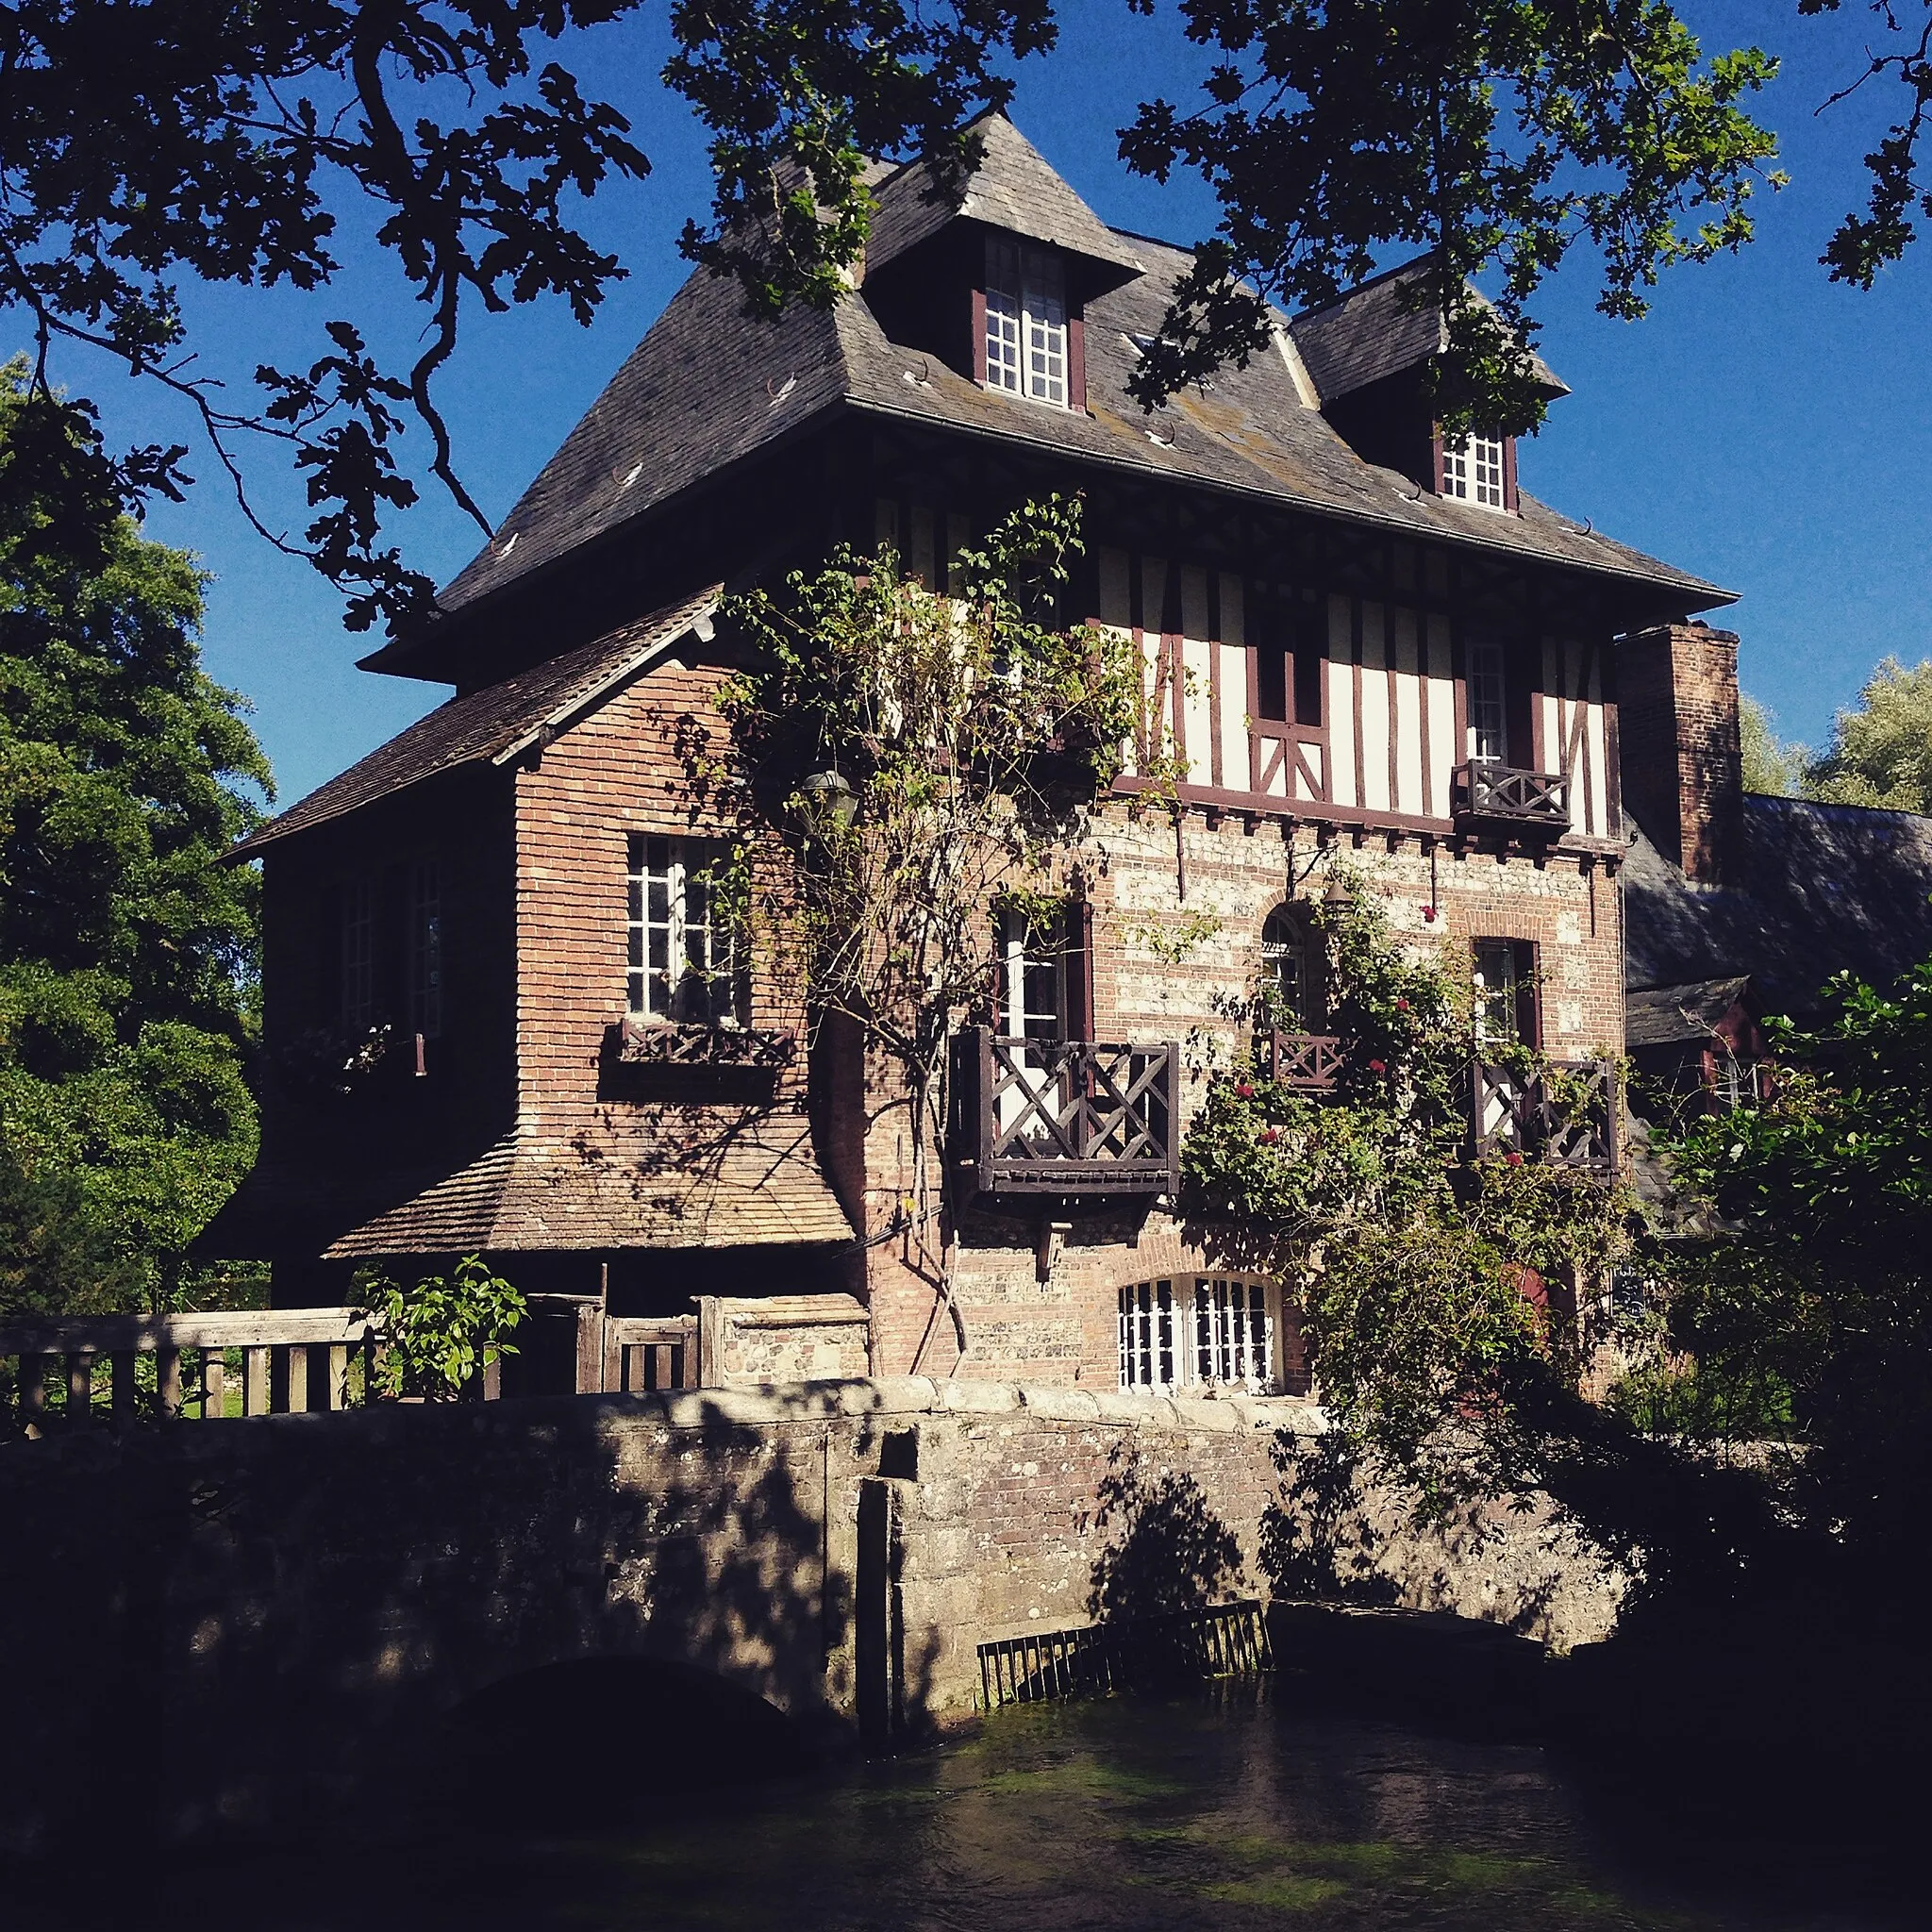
column 257, row 1622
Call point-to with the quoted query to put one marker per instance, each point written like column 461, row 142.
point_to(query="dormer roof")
column 1009, row 187
column 1371, row 333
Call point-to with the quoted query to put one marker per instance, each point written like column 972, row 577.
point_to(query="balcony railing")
column 1568, row 1115
column 1489, row 794
column 1303, row 1063
column 1065, row 1117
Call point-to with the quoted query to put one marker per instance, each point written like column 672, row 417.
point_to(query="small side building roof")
column 1673, row 1015
column 1827, row 888
column 493, row 723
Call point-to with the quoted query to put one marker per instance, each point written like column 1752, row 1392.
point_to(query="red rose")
column 1402, row 1005
column 1242, row 1091
column 1376, row 1067
column 1429, row 914
column 1514, row 1159
column 1269, row 1135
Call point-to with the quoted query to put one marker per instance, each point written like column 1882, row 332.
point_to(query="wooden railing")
column 85, row 1367
column 1501, row 794
column 1305, row 1063
column 1065, row 1117
column 1568, row 1115
column 641, row 1353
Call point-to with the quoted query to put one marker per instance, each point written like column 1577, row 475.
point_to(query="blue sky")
column 1762, row 427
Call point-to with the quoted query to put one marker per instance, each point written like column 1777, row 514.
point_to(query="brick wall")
column 1063, row 1326
column 1682, row 763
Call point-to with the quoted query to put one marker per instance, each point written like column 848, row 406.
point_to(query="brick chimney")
column 1682, row 767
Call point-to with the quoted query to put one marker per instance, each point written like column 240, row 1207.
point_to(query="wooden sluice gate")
column 1222, row 1641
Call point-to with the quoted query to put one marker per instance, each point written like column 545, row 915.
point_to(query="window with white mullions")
column 1207, row 1331
column 1148, row 1356
column 684, row 958
column 426, row 949
column 358, row 940
column 1033, row 976
column 1489, row 718
column 1233, row 1333
column 1025, row 322
column 1473, row 470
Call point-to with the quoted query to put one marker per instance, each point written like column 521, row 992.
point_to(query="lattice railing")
column 1502, row 792
column 1066, row 1116
column 1568, row 1115
column 1303, row 1063
column 636, row 1042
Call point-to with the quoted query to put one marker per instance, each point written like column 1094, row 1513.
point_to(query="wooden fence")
column 81, row 1372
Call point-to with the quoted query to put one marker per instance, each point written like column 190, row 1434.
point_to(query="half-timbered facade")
column 499, row 1016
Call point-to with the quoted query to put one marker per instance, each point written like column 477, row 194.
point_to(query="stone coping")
column 914, row 1395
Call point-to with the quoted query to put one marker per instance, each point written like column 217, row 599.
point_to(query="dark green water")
column 1224, row 1812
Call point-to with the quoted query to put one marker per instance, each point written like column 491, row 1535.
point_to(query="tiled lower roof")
column 726, row 1184
column 1665, row 1015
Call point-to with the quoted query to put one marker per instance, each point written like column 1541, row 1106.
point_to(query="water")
column 1227, row 1811
column 1224, row 1812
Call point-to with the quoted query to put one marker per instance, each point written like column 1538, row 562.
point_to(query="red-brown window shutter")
column 1076, row 362
column 1077, row 978
column 978, row 335
column 1437, row 445
column 1509, row 475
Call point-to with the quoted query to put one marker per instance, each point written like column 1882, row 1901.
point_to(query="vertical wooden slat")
column 33, row 1389
column 660, row 1365
column 294, row 1363
column 168, row 1381
column 255, row 1381
column 214, row 1385
column 493, row 1379
column 122, row 1399
column 80, row 1390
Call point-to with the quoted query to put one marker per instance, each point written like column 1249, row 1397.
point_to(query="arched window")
column 1294, row 979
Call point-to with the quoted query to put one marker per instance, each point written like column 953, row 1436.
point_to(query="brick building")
column 1364, row 642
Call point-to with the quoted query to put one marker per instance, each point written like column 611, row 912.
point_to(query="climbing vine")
column 1423, row 1275
column 929, row 759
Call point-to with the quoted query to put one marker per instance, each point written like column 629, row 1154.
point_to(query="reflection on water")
column 1213, row 1813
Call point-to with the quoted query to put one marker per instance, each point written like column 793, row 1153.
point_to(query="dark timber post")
column 880, row 1633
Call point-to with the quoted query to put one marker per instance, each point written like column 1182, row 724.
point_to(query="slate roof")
column 1009, row 187
column 707, row 387
column 1670, row 1015
column 1828, row 888
column 1371, row 332
column 489, row 723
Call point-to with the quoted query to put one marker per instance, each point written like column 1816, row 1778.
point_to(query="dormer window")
column 1475, row 471
column 1025, row 322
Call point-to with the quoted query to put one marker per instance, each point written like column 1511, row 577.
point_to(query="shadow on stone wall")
column 268, row 1623
column 1169, row 1556
column 1317, row 1540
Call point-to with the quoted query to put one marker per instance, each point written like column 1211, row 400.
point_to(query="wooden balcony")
column 648, row 1043
column 1569, row 1116
column 1502, row 798
column 1065, row 1117
column 1303, row 1063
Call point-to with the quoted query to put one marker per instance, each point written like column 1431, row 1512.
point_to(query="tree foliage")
column 1419, row 1271
column 126, row 953
column 1881, row 750
column 1772, row 768
column 967, row 733
column 1486, row 133
column 225, row 142
column 1816, row 1280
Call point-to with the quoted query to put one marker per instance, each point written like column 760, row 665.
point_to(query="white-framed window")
column 684, row 961
column 1199, row 1331
column 1033, row 977
column 426, row 949
column 1733, row 1079
column 1488, row 721
column 357, row 942
column 1473, row 470
column 1025, row 322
